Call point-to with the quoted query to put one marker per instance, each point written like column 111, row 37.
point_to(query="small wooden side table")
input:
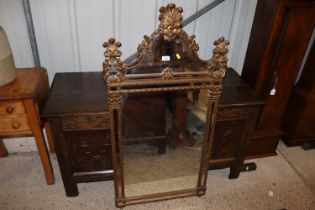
column 20, row 103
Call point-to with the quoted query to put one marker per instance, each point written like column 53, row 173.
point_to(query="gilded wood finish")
column 119, row 80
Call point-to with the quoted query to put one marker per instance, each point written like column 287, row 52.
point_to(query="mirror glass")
column 162, row 141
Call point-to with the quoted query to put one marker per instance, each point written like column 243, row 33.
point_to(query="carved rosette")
column 217, row 65
column 113, row 68
column 167, row 73
column 170, row 21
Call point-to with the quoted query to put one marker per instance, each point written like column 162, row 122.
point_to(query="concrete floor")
column 286, row 181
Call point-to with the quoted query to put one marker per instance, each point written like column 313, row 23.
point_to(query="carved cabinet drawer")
column 86, row 122
column 15, row 125
column 12, row 108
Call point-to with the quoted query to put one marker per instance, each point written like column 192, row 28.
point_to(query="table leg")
column 34, row 121
column 71, row 187
column 3, row 149
column 235, row 170
column 49, row 137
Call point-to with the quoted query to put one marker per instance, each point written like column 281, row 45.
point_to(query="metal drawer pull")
column 9, row 109
column 16, row 125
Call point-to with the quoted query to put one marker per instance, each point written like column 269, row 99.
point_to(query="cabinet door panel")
column 90, row 150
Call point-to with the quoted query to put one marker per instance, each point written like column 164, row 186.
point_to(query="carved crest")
column 113, row 68
column 170, row 21
column 114, row 71
column 217, row 65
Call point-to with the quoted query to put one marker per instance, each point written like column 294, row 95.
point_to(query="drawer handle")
column 9, row 109
column 16, row 125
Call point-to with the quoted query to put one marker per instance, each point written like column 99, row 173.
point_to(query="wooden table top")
column 84, row 92
column 25, row 85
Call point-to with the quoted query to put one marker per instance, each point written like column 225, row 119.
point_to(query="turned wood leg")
column 3, row 149
column 49, row 137
column 40, row 141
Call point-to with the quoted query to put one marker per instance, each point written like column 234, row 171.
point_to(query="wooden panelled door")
column 279, row 38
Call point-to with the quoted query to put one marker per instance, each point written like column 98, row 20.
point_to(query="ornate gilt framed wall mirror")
column 163, row 107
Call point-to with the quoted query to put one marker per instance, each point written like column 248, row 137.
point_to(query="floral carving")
column 170, row 21
column 113, row 68
column 217, row 65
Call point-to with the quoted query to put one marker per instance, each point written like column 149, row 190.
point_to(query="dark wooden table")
column 20, row 102
column 77, row 119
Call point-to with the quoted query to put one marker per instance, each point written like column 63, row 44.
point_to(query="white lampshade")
column 7, row 66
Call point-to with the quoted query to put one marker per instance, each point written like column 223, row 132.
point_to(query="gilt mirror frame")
column 119, row 81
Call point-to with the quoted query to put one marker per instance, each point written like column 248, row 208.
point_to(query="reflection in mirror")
column 162, row 141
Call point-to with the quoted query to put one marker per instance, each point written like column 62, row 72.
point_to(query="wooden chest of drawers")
column 76, row 112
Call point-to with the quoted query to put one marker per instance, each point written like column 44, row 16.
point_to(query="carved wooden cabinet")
column 279, row 37
column 77, row 116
